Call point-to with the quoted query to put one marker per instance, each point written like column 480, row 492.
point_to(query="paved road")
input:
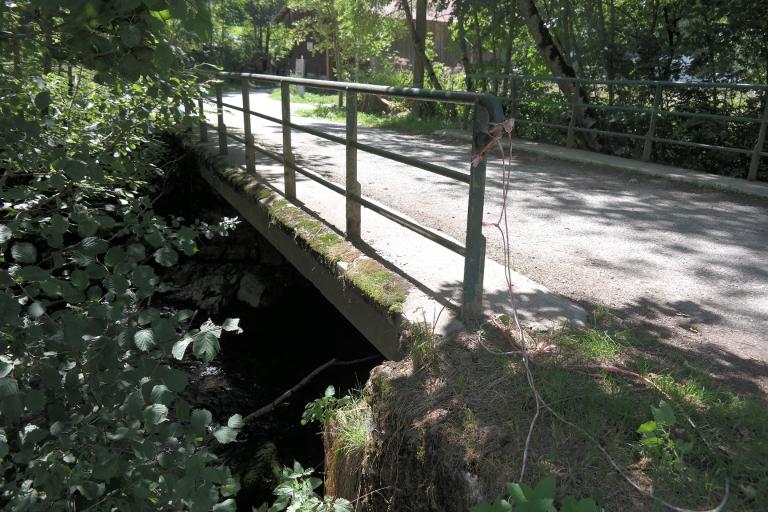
column 689, row 264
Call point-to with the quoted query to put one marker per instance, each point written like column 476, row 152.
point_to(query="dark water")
column 280, row 345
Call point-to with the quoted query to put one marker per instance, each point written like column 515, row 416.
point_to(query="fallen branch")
column 303, row 382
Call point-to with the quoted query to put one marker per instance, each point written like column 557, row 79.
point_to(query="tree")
column 558, row 65
column 91, row 411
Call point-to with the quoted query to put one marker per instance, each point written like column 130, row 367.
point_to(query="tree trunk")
column 419, row 57
column 465, row 60
column 421, row 34
column 418, row 44
column 558, row 65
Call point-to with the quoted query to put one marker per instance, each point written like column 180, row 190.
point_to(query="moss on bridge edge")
column 383, row 288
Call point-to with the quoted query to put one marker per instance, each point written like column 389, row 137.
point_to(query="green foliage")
column 324, row 408
column 522, row 498
column 91, row 408
column 296, row 493
column 656, row 437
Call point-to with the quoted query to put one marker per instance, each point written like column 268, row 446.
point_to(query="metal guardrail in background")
column 515, row 100
column 487, row 110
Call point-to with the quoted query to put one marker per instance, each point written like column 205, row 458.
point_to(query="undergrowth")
column 641, row 418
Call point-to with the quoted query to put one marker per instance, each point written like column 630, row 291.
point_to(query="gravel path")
column 687, row 263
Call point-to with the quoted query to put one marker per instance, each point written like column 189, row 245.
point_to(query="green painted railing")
column 487, row 112
column 513, row 96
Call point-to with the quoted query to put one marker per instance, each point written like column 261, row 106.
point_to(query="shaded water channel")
column 289, row 329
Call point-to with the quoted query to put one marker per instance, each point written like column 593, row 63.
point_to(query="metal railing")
column 487, row 111
column 654, row 110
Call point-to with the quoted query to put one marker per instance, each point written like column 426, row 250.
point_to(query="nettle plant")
column 541, row 498
column 656, row 438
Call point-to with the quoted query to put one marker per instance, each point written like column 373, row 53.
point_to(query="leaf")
column 130, row 36
column 155, row 414
column 24, row 252
column 43, row 100
column 160, row 394
column 166, row 256
column 235, row 421
column 199, row 420
column 180, row 347
column 79, row 279
column 647, row 427
column 225, row 435
column 8, row 387
column 228, row 505
column 91, row 490
column 231, row 324
column 176, row 380
column 6, row 366
column 93, row 245
column 5, row 233
column 664, row 413
column 144, row 339
column 148, row 315
column 114, row 256
column 517, row 493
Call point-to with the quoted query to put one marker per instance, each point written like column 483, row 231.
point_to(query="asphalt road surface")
column 688, row 264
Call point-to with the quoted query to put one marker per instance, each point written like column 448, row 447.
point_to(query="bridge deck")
column 688, row 262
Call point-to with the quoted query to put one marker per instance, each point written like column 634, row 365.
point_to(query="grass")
column 489, row 407
column 403, row 121
column 309, row 97
column 352, row 425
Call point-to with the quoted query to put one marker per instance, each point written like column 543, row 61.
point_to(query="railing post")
column 648, row 146
column 755, row 162
column 222, row 128
column 487, row 113
column 250, row 154
column 352, row 185
column 570, row 140
column 203, row 126
column 289, row 174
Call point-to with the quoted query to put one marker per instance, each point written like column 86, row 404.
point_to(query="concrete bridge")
column 686, row 261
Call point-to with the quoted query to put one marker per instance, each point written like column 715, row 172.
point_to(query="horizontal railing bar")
column 463, row 177
column 436, row 169
column 705, row 115
column 411, row 224
column 522, row 102
column 377, row 207
column 609, row 133
column 724, row 85
column 634, row 136
column 458, row 97
column 703, row 146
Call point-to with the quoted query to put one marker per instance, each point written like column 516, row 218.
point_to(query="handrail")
column 487, row 112
column 653, row 114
